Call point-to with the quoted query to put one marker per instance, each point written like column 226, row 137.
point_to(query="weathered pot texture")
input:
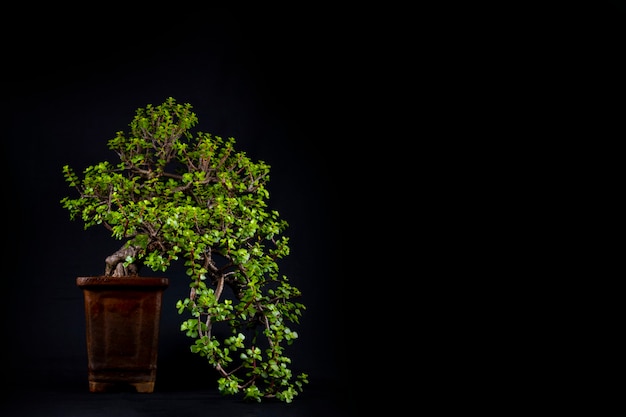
column 122, row 316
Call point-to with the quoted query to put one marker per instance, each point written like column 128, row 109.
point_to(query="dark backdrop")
column 279, row 86
column 451, row 178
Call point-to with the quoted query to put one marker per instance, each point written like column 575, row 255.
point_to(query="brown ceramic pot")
column 122, row 316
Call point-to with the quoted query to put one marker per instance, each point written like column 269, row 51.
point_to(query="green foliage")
column 175, row 195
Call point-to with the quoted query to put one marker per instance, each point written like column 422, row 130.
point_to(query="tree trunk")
column 114, row 264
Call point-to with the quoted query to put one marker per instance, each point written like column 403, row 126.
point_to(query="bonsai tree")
column 179, row 196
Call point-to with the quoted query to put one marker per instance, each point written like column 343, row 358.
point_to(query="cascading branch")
column 175, row 195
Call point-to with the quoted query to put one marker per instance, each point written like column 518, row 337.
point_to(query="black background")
column 452, row 177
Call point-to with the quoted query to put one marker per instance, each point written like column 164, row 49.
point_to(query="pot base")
column 140, row 387
column 118, row 380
